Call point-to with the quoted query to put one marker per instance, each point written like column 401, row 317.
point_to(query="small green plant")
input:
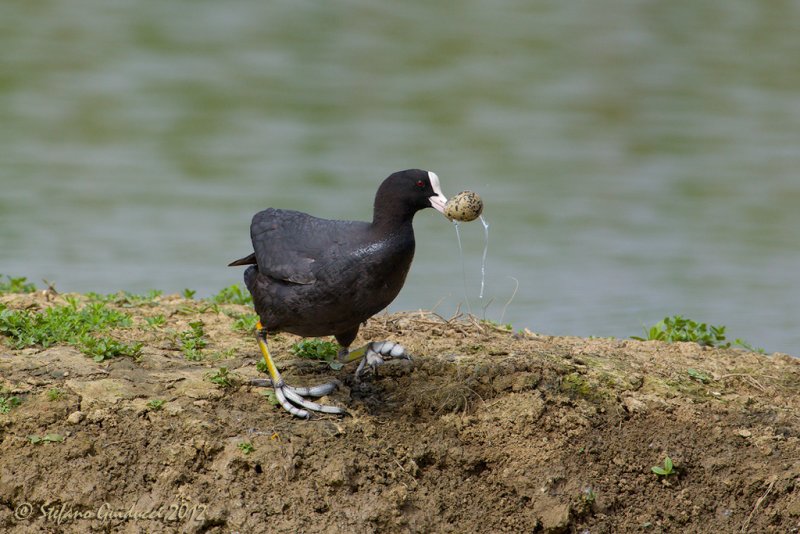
column 189, row 293
column 156, row 321
column 99, row 297
column 59, row 324
column 666, row 470
column 105, row 348
column 585, row 502
column 747, row 346
column 15, row 285
column 126, row 299
column 193, row 342
column 271, row 396
column 225, row 354
column 678, row 328
column 699, row 376
column 148, row 298
column 222, row 378
column 78, row 326
column 54, row 394
column 9, row 403
column 156, row 404
column 318, row 349
column 234, row 294
column 244, row 322
column 495, row 324
column 199, row 307
column 49, row 438
column 314, row 349
column 246, row 447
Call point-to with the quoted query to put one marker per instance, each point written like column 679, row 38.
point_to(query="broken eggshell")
column 465, row 206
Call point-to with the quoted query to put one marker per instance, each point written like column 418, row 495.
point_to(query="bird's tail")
column 248, row 260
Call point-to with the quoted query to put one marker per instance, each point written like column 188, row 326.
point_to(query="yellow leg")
column 292, row 398
column 274, row 374
column 353, row 355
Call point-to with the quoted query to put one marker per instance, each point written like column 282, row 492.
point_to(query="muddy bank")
column 488, row 430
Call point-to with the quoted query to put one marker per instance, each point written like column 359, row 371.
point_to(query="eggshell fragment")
column 465, row 206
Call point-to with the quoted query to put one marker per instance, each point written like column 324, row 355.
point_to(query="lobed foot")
column 374, row 354
column 293, row 398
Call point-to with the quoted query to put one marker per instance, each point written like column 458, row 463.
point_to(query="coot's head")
column 404, row 193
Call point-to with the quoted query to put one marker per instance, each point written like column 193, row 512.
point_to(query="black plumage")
column 317, row 277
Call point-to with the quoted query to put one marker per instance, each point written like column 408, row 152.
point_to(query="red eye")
column 421, row 184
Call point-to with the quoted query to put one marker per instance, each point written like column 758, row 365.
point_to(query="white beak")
column 439, row 200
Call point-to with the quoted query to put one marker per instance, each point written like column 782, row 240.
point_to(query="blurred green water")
column 637, row 159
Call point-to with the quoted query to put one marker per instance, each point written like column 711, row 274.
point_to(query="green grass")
column 679, row 328
column 246, row 447
column 747, row 346
column 104, row 348
column 82, row 327
column 243, row 322
column 156, row 404
column 199, row 307
column 315, row 349
column 126, row 299
column 156, row 321
column 234, row 294
column 698, row 375
column 270, row 395
column 318, row 349
column 193, row 341
column 54, row 394
column 489, row 322
column 58, row 324
column 224, row 354
column 222, row 378
column 8, row 403
column 9, row 284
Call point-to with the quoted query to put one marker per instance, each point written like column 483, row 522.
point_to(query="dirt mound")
column 486, row 431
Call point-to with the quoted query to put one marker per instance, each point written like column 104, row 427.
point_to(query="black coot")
column 318, row 277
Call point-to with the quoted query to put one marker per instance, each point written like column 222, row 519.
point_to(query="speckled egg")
column 465, row 206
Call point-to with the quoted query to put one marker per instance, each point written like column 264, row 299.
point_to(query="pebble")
column 633, row 405
column 76, row 417
column 98, row 415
